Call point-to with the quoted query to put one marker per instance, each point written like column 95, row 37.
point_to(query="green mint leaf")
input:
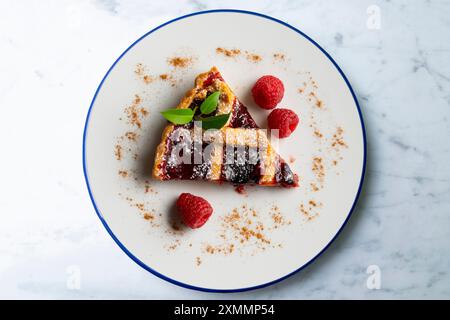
column 178, row 116
column 215, row 122
column 210, row 103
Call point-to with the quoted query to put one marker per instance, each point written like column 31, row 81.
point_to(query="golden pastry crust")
column 158, row 171
column 216, row 162
column 235, row 136
column 256, row 138
column 226, row 97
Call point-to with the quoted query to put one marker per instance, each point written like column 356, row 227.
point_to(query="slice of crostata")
column 212, row 136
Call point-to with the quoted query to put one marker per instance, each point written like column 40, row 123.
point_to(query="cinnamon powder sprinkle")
column 279, row 56
column 228, row 52
column 123, row 173
column 225, row 249
column 311, row 210
column 253, row 57
column 147, row 79
column 168, row 78
column 132, row 136
column 198, row 261
column 317, row 133
column 135, row 113
column 237, row 52
column 139, row 69
column 338, row 140
column 118, row 152
column 318, row 103
column 148, row 216
column 174, row 245
column 314, row 187
column 241, row 228
column 312, row 203
column 180, row 62
column 277, row 218
column 143, row 111
column 140, row 72
column 240, row 221
column 318, row 168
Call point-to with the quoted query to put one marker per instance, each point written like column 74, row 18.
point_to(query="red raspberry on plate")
column 284, row 120
column 194, row 210
column 268, row 92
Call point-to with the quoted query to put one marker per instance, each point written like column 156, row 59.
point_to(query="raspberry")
column 194, row 210
column 284, row 120
column 268, row 92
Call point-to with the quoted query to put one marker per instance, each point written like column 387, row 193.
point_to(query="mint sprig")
column 208, row 106
column 215, row 122
column 178, row 116
column 210, row 103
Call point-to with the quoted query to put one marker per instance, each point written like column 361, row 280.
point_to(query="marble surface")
column 53, row 56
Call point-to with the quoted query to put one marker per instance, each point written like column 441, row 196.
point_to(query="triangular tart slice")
column 244, row 154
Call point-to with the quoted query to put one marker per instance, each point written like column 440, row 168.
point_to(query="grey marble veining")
column 55, row 52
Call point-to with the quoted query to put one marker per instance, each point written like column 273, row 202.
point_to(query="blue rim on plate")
column 143, row 265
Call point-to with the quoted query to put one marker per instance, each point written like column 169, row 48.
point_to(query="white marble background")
column 53, row 55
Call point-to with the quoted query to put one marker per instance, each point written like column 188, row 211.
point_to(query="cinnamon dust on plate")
column 123, row 173
column 253, row 57
column 243, row 229
column 174, row 245
column 317, row 133
column 235, row 52
column 180, row 62
column 314, row 187
column 146, row 213
column 139, row 70
column 310, row 210
column 141, row 73
column 239, row 229
column 118, row 152
column 132, row 136
column 279, row 56
column 147, row 79
column 176, row 62
column 169, row 77
column 337, row 140
column 318, row 168
column 228, row 52
column 317, row 102
column 278, row 220
column 135, row 112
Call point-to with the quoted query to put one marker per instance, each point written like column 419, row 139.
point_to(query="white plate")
column 295, row 235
